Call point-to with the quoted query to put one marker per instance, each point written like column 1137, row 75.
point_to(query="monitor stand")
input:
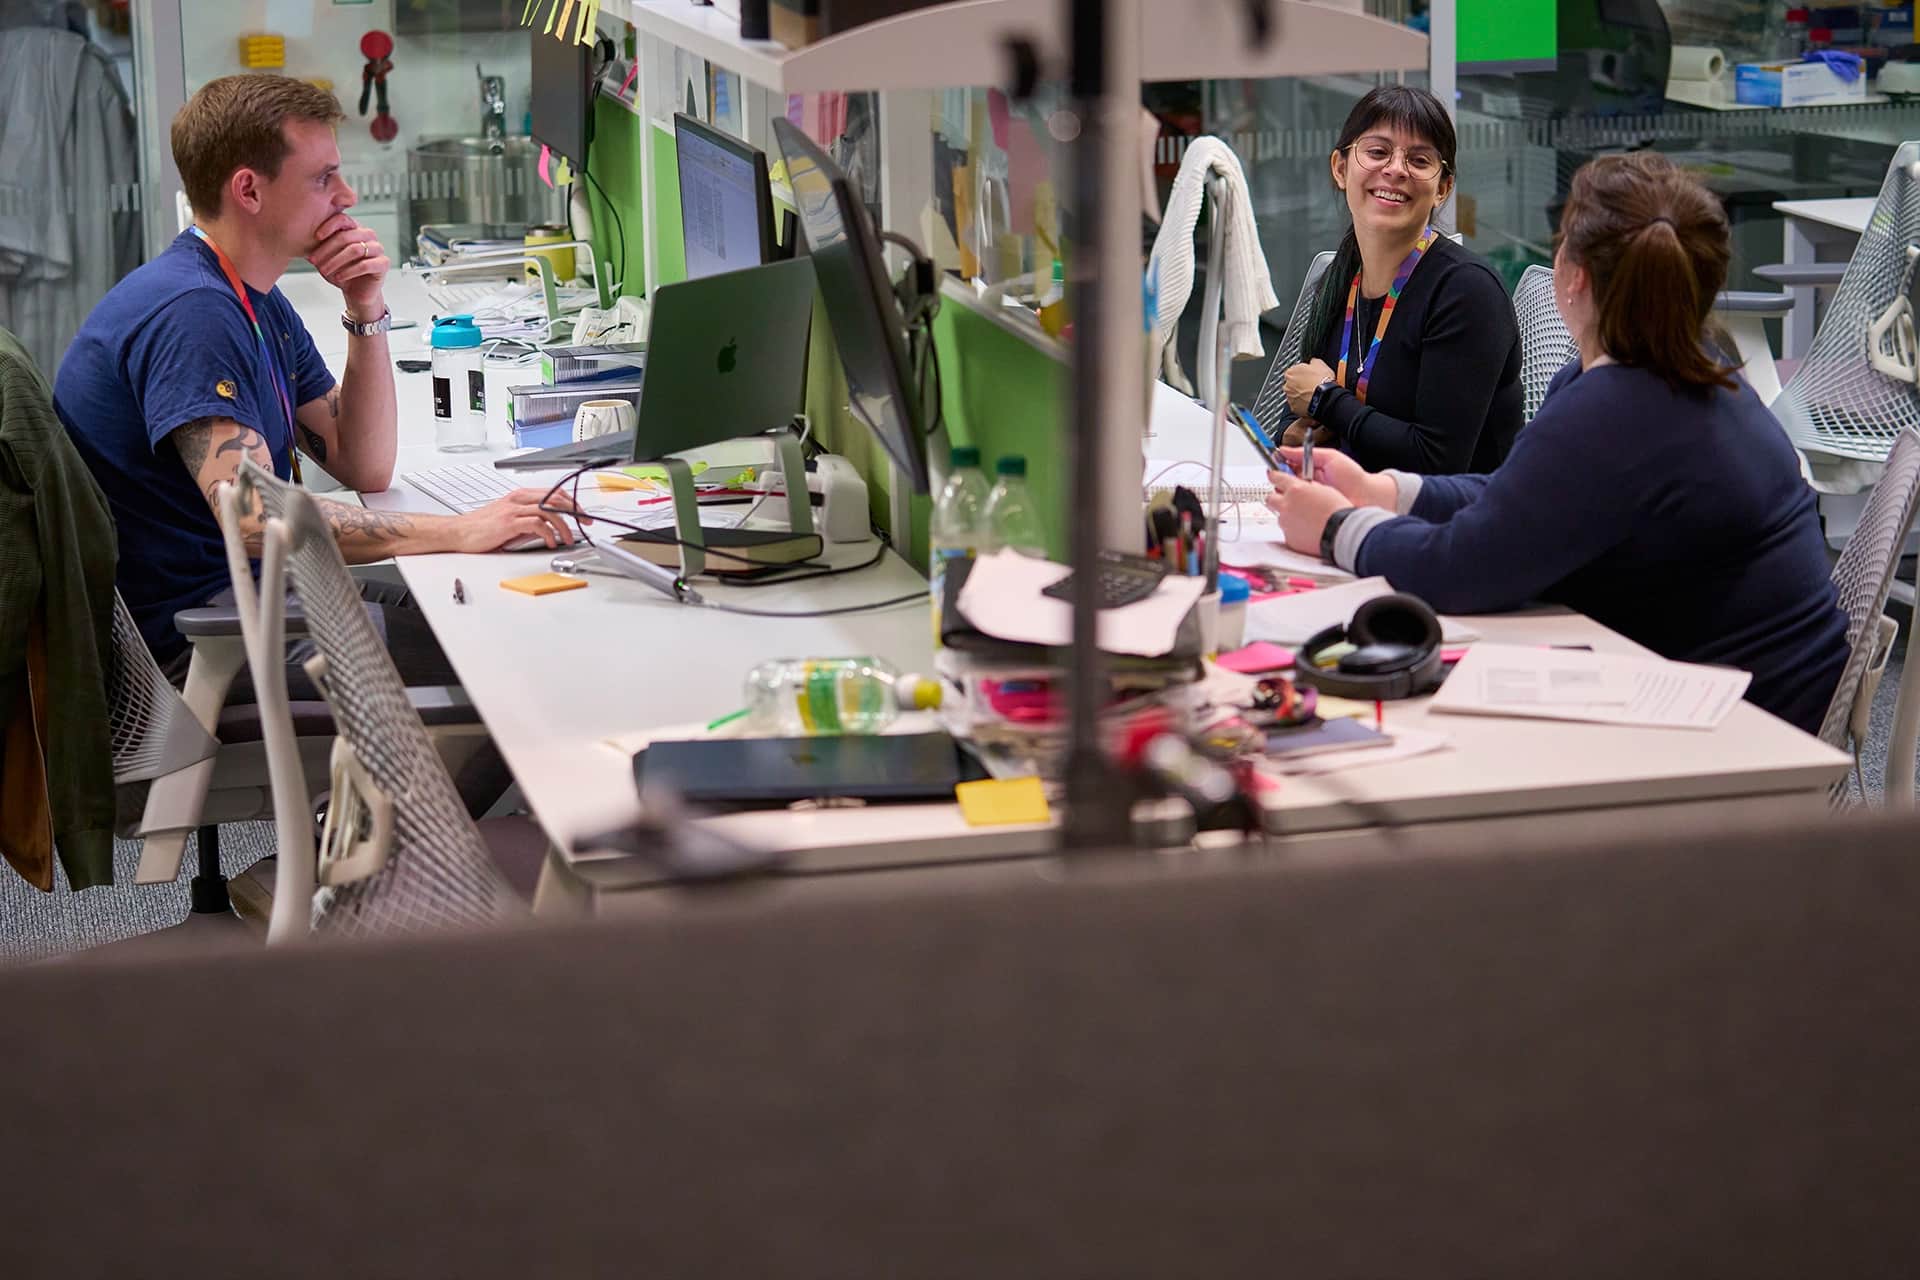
column 686, row 510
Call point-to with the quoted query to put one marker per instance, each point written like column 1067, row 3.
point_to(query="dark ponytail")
column 1654, row 243
column 1412, row 111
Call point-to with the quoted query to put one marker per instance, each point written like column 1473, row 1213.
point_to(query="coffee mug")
column 604, row 418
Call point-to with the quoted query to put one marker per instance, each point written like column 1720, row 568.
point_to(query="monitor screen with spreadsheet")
column 726, row 202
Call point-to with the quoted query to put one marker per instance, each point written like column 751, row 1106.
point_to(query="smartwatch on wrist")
column 1330, row 530
column 358, row 330
column 1319, row 401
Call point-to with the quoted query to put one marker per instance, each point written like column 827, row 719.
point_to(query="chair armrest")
column 220, row 621
column 1803, row 273
column 1749, row 302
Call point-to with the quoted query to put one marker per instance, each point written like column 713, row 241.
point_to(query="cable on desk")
column 814, row 569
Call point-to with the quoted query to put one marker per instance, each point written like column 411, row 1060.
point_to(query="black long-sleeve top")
column 1444, row 393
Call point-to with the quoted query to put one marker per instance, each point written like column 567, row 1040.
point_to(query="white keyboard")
column 457, row 299
column 465, row 487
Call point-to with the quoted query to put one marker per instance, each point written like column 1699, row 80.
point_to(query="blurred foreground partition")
column 1682, row 1053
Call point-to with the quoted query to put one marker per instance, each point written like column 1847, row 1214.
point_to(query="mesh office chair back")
column 1864, row 575
column 152, row 731
column 1545, row 344
column 1271, row 406
column 436, row 871
column 1837, row 403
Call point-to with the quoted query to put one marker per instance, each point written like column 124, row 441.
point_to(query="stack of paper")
column 1002, row 597
column 1562, row 684
column 1292, row 620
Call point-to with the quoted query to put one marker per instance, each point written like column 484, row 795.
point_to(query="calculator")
column 1124, row 579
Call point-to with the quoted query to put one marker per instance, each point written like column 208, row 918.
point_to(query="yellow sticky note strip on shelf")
column 542, row 584
column 994, row 802
column 653, row 471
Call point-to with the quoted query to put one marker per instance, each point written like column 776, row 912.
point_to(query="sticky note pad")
column 1261, row 655
column 994, row 802
column 621, row 482
column 542, row 584
column 1331, row 708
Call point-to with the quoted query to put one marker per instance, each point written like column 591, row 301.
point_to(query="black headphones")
column 1396, row 652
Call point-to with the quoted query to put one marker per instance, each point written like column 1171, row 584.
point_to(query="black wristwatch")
column 1319, row 400
column 1330, row 530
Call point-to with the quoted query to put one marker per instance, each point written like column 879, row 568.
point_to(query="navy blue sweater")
column 1678, row 519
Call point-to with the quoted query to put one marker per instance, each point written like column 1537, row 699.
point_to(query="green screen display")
column 1505, row 31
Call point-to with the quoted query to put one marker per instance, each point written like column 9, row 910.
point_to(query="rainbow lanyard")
column 273, row 366
column 1420, row 248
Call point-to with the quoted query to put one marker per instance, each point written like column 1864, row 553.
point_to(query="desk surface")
column 555, row 677
column 1848, row 214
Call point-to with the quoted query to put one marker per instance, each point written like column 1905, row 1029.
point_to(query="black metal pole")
column 1097, row 810
column 208, row 891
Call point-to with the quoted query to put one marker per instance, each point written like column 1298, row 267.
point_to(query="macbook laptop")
column 727, row 357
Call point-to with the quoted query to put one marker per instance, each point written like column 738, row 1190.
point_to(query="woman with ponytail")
column 1411, row 355
column 1652, row 492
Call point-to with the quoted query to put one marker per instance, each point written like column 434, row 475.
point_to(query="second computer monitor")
column 726, row 202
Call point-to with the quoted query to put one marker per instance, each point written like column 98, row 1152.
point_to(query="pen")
column 729, row 718
column 1306, row 455
column 459, row 592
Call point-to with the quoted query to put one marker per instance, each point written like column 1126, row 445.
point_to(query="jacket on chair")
column 57, row 556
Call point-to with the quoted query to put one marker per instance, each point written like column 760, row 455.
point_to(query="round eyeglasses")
column 1374, row 154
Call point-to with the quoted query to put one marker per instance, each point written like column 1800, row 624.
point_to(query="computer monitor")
column 867, row 326
column 726, row 202
column 561, row 71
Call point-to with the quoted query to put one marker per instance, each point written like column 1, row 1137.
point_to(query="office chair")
column 1864, row 578
column 1838, row 408
column 398, row 851
column 1270, row 407
column 1545, row 345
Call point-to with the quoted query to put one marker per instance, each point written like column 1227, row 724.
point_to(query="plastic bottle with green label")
column 800, row 697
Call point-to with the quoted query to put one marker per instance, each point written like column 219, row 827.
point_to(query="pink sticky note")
column 1452, row 655
column 1026, row 170
column 546, row 158
column 1261, row 655
column 999, row 117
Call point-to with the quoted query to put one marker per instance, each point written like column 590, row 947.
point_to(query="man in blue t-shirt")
column 196, row 360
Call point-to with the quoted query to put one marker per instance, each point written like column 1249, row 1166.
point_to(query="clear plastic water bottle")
column 459, row 384
column 1793, row 41
column 799, row 697
column 958, row 528
column 1013, row 521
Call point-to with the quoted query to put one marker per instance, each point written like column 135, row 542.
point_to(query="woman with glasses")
column 1411, row 356
column 1653, row 491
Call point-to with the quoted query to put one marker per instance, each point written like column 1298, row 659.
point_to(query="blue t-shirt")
column 168, row 345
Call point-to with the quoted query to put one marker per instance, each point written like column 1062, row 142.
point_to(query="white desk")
column 1811, row 226
column 554, row 677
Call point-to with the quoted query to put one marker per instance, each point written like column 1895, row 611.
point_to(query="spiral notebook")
column 1240, row 483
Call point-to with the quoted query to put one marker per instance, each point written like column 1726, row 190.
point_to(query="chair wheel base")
column 208, row 896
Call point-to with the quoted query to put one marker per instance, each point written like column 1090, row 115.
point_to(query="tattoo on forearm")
column 315, row 444
column 333, row 401
column 192, row 440
column 358, row 522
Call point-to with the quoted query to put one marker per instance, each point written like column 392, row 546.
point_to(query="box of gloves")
column 1795, row 84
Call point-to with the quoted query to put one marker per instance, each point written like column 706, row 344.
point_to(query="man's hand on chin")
column 349, row 257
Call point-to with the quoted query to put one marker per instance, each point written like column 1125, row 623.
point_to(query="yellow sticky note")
column 994, row 802
column 621, row 482
column 654, row 471
column 1330, row 708
column 542, row 584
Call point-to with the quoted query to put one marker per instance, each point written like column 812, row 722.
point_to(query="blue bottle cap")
column 455, row 333
column 1234, row 589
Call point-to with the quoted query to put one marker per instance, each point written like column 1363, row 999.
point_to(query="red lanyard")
column 273, row 366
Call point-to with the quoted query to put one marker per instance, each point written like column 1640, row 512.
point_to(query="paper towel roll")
column 1697, row 62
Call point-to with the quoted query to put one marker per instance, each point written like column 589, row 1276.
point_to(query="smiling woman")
column 1411, row 356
